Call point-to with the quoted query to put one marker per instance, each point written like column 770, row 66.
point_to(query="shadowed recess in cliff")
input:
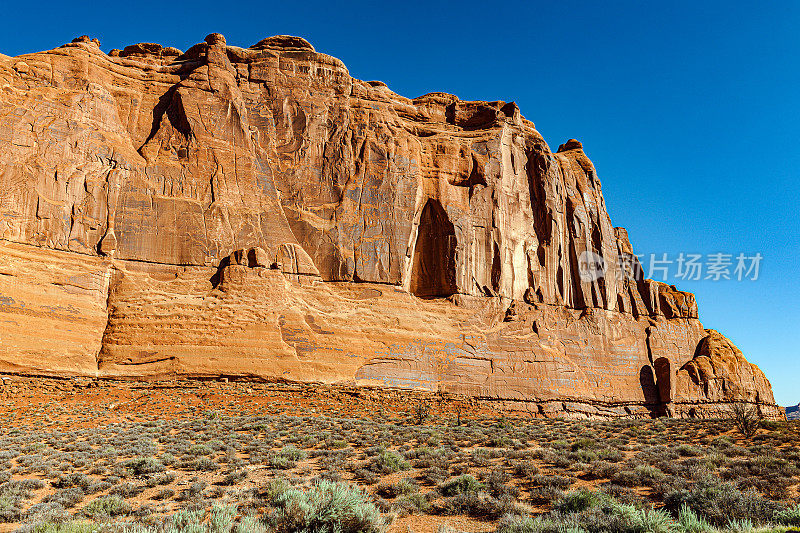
column 433, row 272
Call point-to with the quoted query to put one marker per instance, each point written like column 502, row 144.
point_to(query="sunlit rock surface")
column 258, row 212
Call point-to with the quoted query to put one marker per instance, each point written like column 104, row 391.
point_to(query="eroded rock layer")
column 258, row 212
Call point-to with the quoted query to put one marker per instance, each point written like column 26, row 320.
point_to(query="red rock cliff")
column 259, row 212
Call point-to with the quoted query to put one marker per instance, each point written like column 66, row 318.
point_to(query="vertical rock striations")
column 259, row 212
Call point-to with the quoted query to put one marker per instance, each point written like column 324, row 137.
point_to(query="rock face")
column 258, row 212
column 793, row 412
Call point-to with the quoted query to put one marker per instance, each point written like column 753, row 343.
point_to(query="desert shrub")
column 161, row 479
column 333, row 461
column 621, row 494
column 526, row 469
column 334, row 444
column 234, row 477
column 399, row 488
column 479, row 505
column 689, row 450
column 65, row 526
column 367, row 476
column 76, row 479
column 413, row 503
column 499, row 441
column 106, row 506
column 582, row 512
column 292, row 453
column 202, row 464
column 577, row 501
column 555, row 481
column 496, row 484
column 583, row 456
column 250, row 524
column 163, row 494
column 611, row 455
column 144, row 465
column 42, row 513
column 326, row 506
column 222, row 518
column 789, row 516
column 626, row 478
column 600, row 470
column 194, row 489
column 717, row 502
column 199, row 450
column 480, row 457
column 66, row 498
column 388, row 462
column 167, row 458
column 746, row 418
column 648, row 475
column 425, row 457
column 12, row 496
column 422, row 411
column 185, row 521
column 128, row 490
column 463, row 484
column 583, row 444
column 436, row 475
column 691, row 523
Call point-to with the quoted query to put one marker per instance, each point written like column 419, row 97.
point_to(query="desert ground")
column 216, row 456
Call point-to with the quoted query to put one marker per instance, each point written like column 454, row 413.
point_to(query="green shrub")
column 577, row 501
column 388, row 462
column 70, row 526
column 144, row 465
column 611, row 455
column 399, row 488
column 691, row 523
column 479, row 505
column 222, row 518
column 106, row 506
column 463, row 484
column 583, row 444
column 413, row 503
column 203, row 464
column 186, row 521
column 234, row 477
column 718, row 502
column 326, row 507
column 292, row 453
column 788, row 517
column 199, row 450
column 592, row 514
column 76, row 479
column 250, row 524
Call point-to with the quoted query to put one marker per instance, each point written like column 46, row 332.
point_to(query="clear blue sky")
column 689, row 110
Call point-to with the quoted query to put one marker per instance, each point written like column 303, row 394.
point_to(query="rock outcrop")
column 258, row 212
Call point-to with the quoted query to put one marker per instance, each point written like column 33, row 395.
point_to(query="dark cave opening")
column 433, row 272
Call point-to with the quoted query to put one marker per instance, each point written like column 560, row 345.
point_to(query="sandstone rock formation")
column 258, row 212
